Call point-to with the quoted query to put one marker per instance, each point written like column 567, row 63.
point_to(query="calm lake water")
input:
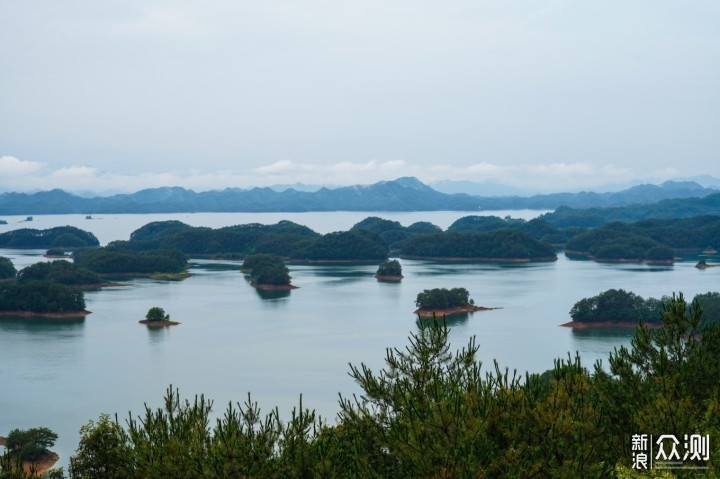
column 234, row 340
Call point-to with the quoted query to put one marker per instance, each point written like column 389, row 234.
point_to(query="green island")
column 68, row 237
column 433, row 412
column 156, row 317
column 504, row 245
column 28, row 452
column 616, row 242
column 267, row 272
column 41, row 298
column 390, row 271
column 112, row 261
column 620, row 308
column 44, row 289
column 438, row 302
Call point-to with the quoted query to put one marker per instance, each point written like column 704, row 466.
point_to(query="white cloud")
column 544, row 177
column 12, row 167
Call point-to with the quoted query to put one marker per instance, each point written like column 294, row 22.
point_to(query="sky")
column 554, row 95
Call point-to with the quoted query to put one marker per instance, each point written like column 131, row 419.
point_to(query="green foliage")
column 157, row 314
column 616, row 306
column 442, row 298
column 619, row 241
column 496, row 245
column 666, row 382
column 283, row 238
column 109, row 260
column 392, row 232
column 7, row 269
column 267, row 269
column 61, row 236
column 390, row 268
column 40, row 297
column 30, row 444
column 62, row 271
column 345, row 246
column 104, row 451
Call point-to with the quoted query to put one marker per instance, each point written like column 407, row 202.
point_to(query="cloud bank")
column 23, row 175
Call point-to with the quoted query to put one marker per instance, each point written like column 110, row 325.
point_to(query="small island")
column 702, row 264
column 67, row 237
column 617, row 308
column 157, row 318
column 390, row 271
column 267, row 272
column 440, row 302
column 29, row 449
column 42, row 289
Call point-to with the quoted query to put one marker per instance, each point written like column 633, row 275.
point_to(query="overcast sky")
column 547, row 95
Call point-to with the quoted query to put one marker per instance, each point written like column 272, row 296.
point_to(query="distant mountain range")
column 402, row 194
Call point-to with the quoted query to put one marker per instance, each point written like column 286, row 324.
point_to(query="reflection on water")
column 40, row 326
column 157, row 335
column 272, row 295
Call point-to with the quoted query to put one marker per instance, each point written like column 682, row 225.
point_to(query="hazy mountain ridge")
column 402, row 194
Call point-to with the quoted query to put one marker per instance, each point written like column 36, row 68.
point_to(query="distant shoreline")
column 158, row 324
column 607, row 324
column 275, row 287
column 33, row 314
column 389, row 278
column 429, row 313
column 481, row 259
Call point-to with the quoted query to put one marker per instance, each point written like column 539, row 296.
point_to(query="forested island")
column 267, row 272
column 113, row 261
column 502, row 245
column 68, row 237
column 438, row 302
column 42, row 289
column 389, row 271
column 617, row 307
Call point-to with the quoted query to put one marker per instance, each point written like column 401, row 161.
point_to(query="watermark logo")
column 668, row 452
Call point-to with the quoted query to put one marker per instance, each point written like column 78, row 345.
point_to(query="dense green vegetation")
column 267, row 269
column 156, row 313
column 495, row 245
column 442, row 298
column 565, row 216
column 618, row 306
column 61, row 236
column 434, row 413
column 617, row 241
column 359, row 245
column 61, row 271
column 392, row 232
column 30, row 444
column 40, row 297
column 390, row 268
column 110, row 260
column 283, row 239
column 7, row 268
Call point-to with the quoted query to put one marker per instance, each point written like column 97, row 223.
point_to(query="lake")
column 234, row 340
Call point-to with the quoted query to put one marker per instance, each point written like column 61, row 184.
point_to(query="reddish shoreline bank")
column 275, row 287
column 429, row 313
column 607, row 324
column 158, row 324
